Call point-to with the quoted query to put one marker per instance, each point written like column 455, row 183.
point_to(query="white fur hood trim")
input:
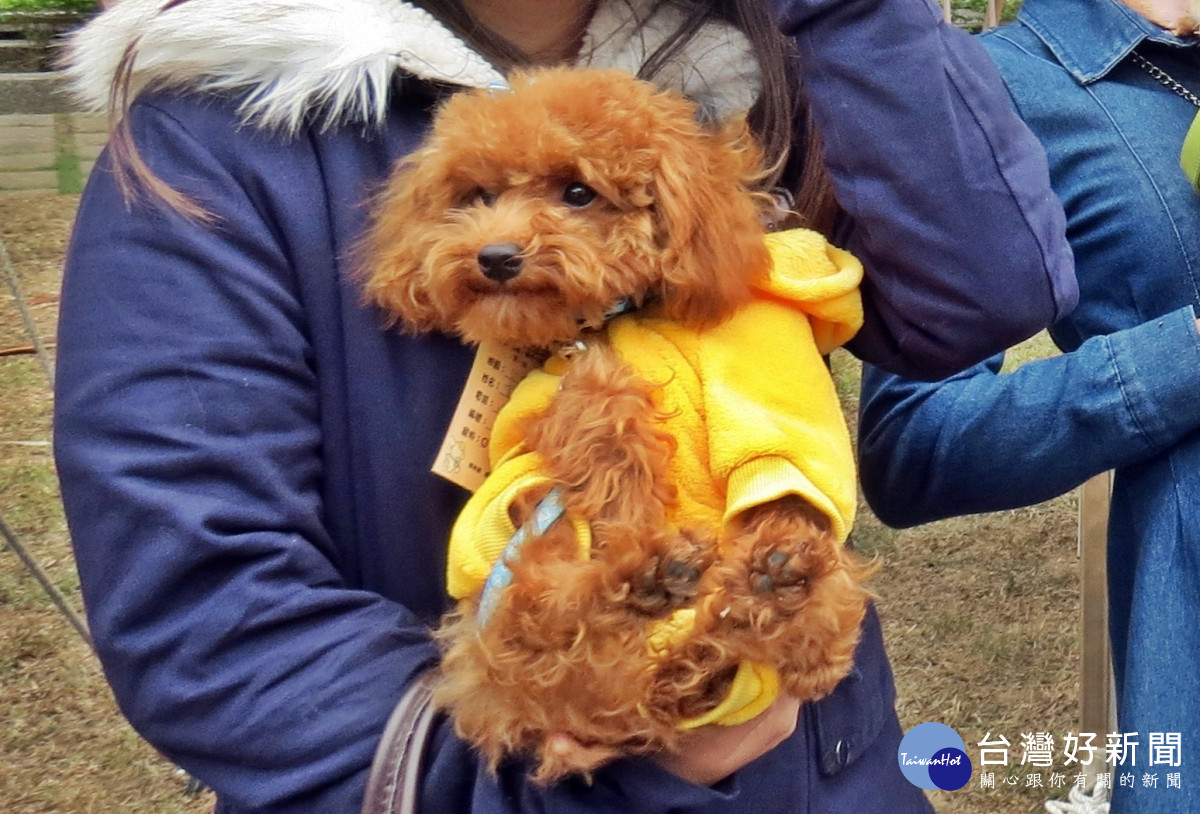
column 292, row 57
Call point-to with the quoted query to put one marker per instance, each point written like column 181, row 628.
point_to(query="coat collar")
column 1090, row 37
column 291, row 58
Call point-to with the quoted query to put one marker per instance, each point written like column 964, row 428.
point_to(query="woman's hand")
column 712, row 753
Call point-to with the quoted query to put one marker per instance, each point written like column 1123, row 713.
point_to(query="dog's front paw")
column 787, row 593
column 670, row 578
column 782, row 573
column 777, row 555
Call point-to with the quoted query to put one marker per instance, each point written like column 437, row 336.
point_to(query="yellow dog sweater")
column 751, row 406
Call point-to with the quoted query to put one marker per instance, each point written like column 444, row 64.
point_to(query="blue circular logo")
column 933, row 756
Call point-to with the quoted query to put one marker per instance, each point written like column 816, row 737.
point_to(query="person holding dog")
column 1112, row 89
column 244, row 449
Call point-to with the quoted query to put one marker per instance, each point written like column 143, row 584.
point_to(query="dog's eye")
column 482, row 196
column 578, row 194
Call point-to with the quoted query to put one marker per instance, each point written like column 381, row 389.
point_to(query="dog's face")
column 530, row 213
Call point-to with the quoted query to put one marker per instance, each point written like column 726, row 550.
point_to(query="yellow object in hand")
column 1189, row 156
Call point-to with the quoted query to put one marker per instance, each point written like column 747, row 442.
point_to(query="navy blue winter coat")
column 244, row 450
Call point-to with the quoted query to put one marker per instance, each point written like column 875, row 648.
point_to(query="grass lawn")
column 63, row 745
column 47, row 5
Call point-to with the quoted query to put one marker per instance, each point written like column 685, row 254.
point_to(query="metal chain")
column 1165, row 78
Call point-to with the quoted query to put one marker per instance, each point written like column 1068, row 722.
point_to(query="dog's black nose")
column 500, row 261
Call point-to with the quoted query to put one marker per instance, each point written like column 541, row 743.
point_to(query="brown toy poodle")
column 690, row 565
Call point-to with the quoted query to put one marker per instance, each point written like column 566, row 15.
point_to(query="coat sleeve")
column 945, row 193
column 986, row 441
column 189, row 450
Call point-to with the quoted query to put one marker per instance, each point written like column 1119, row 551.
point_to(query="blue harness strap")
column 545, row 515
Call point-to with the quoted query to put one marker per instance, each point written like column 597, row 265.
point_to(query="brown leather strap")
column 395, row 779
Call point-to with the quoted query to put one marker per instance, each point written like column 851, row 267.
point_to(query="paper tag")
column 495, row 374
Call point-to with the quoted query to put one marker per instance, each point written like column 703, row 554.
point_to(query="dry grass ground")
column 63, row 745
column 981, row 618
column 981, row 613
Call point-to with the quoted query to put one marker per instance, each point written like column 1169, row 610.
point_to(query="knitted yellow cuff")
column 770, row 477
column 755, row 686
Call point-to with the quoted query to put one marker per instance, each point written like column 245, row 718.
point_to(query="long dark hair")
column 779, row 119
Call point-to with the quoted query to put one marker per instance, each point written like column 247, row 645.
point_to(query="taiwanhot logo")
column 933, row 756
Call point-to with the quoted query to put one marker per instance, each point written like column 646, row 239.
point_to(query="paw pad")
column 773, row 570
column 666, row 584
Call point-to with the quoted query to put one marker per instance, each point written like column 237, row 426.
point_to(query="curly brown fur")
column 522, row 220
column 557, row 656
column 603, row 439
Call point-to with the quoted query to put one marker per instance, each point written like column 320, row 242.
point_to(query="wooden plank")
column 991, row 15
column 1097, row 700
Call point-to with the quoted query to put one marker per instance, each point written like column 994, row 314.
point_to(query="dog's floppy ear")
column 391, row 257
column 707, row 223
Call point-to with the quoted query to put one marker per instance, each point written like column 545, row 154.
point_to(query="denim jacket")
column 1125, row 395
